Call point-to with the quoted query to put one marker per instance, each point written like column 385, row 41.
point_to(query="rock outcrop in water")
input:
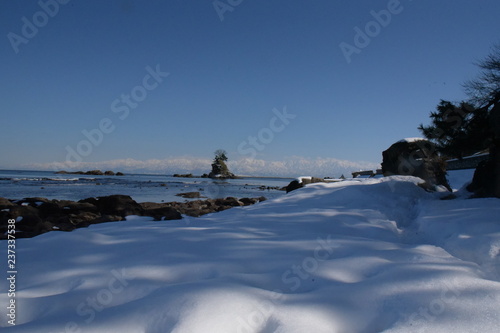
column 36, row 216
column 91, row 173
column 219, row 167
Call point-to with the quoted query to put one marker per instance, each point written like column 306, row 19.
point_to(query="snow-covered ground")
column 366, row 255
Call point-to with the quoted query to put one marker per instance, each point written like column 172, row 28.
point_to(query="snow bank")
column 367, row 255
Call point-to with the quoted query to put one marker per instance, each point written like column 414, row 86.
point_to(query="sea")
column 19, row 184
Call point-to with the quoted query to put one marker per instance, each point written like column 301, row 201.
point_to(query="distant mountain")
column 290, row 167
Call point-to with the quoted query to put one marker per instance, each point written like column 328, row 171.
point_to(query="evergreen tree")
column 220, row 156
column 219, row 167
column 457, row 130
column 466, row 128
column 473, row 126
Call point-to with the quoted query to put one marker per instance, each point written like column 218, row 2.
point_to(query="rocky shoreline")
column 220, row 177
column 91, row 173
column 41, row 215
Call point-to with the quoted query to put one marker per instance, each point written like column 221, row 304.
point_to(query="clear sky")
column 277, row 84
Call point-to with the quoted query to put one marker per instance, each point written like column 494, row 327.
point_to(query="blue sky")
column 228, row 80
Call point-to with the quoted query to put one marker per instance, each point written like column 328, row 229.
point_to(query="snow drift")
column 367, row 255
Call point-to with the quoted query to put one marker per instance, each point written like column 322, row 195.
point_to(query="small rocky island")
column 219, row 167
column 183, row 175
column 91, row 172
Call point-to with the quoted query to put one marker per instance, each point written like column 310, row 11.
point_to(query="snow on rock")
column 409, row 140
column 366, row 255
column 302, row 178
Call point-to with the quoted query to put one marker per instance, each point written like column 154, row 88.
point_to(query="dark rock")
column 47, row 226
column 248, row 201
column 28, row 221
column 269, row 188
column 23, row 210
column 495, row 147
column 232, row 202
column 486, row 181
column 91, row 172
column 121, row 205
column 417, row 158
column 221, row 171
column 161, row 211
column 77, row 207
column 64, row 224
column 35, row 201
column 94, row 173
column 92, row 201
column 187, row 175
column 66, row 215
column 368, row 173
column 221, row 207
column 197, row 204
column 482, row 184
column 190, row 195
column 151, row 205
column 108, row 218
column 196, row 212
column 295, row 184
column 50, row 208
column 83, row 219
column 5, row 203
column 164, row 213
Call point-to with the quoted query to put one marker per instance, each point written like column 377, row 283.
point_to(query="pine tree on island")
column 219, row 167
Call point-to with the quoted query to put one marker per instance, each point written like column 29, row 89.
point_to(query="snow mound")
column 371, row 255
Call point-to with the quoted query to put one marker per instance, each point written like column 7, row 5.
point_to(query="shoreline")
column 141, row 187
column 37, row 215
column 142, row 174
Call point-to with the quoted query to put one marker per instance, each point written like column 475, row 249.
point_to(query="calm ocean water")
column 18, row 184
